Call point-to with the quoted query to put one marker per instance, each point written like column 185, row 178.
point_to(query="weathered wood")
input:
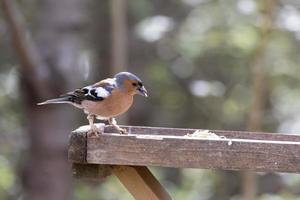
column 173, row 147
column 78, row 143
column 191, row 152
column 91, row 171
column 168, row 147
column 140, row 182
column 141, row 130
column 77, row 147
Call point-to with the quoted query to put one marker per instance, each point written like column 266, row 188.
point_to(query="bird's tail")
column 65, row 99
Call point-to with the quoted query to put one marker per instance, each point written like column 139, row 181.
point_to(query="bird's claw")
column 123, row 131
column 120, row 130
column 94, row 131
column 113, row 122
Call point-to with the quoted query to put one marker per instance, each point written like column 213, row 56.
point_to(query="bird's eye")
column 134, row 84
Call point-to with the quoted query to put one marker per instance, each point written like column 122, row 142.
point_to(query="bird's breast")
column 117, row 103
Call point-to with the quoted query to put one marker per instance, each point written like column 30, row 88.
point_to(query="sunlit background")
column 204, row 62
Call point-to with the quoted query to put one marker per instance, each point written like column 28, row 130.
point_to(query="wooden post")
column 140, row 182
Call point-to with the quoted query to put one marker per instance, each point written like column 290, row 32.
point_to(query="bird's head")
column 129, row 82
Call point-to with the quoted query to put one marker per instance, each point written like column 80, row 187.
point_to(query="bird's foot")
column 94, row 131
column 121, row 130
column 114, row 124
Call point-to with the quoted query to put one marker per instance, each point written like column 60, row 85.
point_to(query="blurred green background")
column 207, row 64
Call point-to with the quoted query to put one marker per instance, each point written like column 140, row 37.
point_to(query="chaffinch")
column 105, row 99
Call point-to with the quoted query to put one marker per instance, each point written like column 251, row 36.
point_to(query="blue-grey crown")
column 120, row 77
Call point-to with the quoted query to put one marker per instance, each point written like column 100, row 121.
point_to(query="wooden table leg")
column 140, row 182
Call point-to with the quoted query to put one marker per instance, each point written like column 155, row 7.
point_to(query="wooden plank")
column 140, row 182
column 191, row 152
column 142, row 130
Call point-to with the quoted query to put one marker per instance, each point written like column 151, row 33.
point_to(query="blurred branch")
column 119, row 47
column 259, row 76
column 29, row 56
column 119, row 35
column 258, row 70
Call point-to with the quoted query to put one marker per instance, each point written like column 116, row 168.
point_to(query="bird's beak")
column 142, row 91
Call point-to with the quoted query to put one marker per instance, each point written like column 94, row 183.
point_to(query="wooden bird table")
column 127, row 156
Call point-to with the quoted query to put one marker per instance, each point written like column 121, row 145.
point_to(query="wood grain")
column 140, row 182
column 168, row 147
column 187, row 152
column 93, row 157
column 77, row 147
column 142, row 130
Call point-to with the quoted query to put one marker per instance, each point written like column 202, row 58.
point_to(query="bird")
column 105, row 99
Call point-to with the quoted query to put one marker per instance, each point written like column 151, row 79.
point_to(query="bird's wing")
column 96, row 92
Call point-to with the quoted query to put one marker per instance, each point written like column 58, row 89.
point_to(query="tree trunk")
column 47, row 173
